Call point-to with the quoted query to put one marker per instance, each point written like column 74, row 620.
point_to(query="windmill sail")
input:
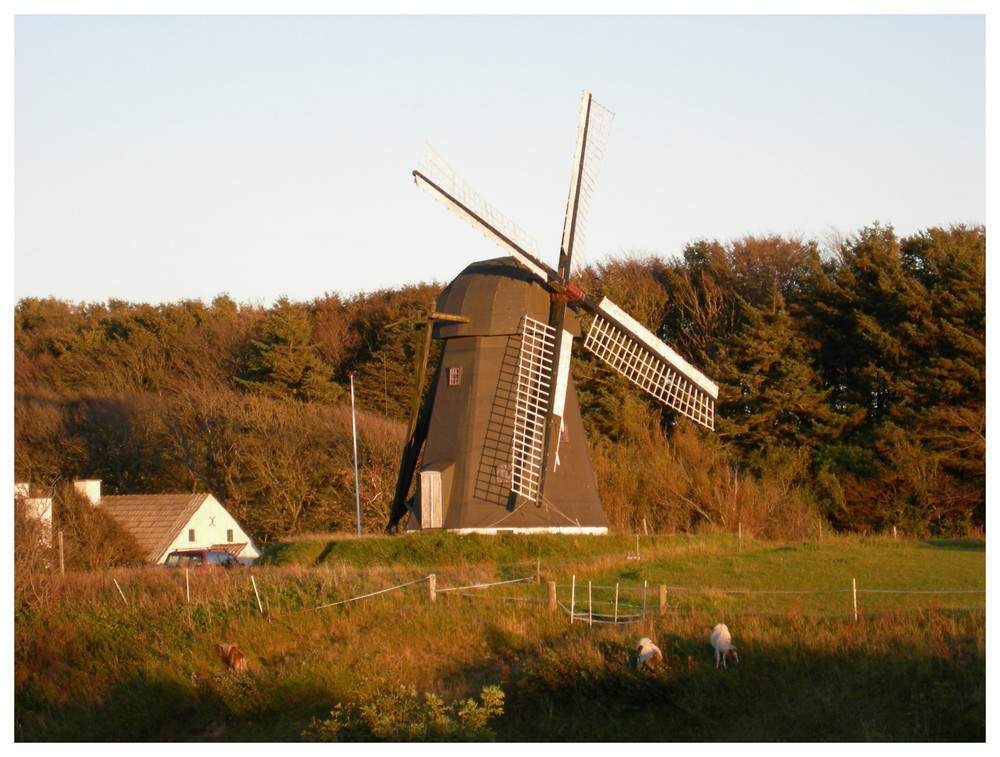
column 628, row 347
column 437, row 179
column 591, row 140
column 532, row 400
column 591, row 143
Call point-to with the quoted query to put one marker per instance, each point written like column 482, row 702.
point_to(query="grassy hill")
column 345, row 643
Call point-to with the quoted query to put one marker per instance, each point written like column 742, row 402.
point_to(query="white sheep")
column 722, row 641
column 648, row 653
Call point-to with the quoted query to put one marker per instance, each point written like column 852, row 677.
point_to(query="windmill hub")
column 568, row 293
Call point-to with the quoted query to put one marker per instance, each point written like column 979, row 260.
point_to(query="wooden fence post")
column 62, row 555
column 432, row 587
column 572, row 600
column 257, row 593
column 854, row 594
column 663, row 599
column 552, row 595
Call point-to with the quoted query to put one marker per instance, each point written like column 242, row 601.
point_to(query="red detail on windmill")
column 571, row 293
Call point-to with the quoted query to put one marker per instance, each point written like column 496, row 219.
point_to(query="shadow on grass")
column 775, row 694
column 129, row 711
column 961, row 545
column 327, row 551
column 227, row 707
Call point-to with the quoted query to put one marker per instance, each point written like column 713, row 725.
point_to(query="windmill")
column 499, row 437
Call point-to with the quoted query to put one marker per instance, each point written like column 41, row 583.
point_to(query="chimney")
column 90, row 489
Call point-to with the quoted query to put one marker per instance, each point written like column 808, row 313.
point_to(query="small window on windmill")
column 190, row 534
column 563, row 433
column 229, row 535
column 454, row 375
column 502, row 473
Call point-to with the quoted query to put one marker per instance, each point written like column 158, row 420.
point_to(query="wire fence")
column 606, row 604
column 588, row 602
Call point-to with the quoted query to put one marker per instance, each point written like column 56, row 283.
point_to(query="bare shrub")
column 687, row 484
column 92, row 539
column 283, row 467
column 32, row 553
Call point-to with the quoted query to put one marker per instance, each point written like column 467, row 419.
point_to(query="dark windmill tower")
column 499, row 440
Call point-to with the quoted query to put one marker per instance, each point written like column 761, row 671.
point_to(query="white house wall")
column 210, row 524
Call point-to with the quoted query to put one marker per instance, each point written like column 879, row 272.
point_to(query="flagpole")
column 354, row 431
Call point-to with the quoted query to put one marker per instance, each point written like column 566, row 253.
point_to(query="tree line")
column 852, row 392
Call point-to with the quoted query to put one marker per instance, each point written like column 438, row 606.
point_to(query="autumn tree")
column 120, row 438
column 281, row 466
column 44, row 448
column 771, row 394
column 950, row 268
column 284, row 362
column 385, row 322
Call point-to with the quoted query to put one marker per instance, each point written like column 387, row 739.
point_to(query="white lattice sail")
column 534, row 388
column 435, row 177
column 651, row 365
column 592, row 141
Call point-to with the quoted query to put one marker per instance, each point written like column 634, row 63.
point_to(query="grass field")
column 131, row 655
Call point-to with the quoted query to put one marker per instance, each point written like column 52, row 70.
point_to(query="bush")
column 92, row 539
column 401, row 715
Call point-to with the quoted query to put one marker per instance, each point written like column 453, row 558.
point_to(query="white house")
column 37, row 507
column 162, row 523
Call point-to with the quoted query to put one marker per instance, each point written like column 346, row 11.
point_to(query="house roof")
column 153, row 519
column 233, row 548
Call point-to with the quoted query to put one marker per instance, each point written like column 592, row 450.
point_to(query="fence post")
column 120, row 590
column 663, row 599
column 572, row 600
column 616, row 603
column 187, row 585
column 590, row 603
column 552, row 595
column 645, row 590
column 432, row 587
column 254, row 582
column 854, row 593
column 538, row 570
column 62, row 555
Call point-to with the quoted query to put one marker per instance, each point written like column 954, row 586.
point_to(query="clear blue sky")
column 159, row 158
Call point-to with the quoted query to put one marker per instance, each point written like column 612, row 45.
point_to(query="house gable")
column 212, row 526
column 161, row 523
